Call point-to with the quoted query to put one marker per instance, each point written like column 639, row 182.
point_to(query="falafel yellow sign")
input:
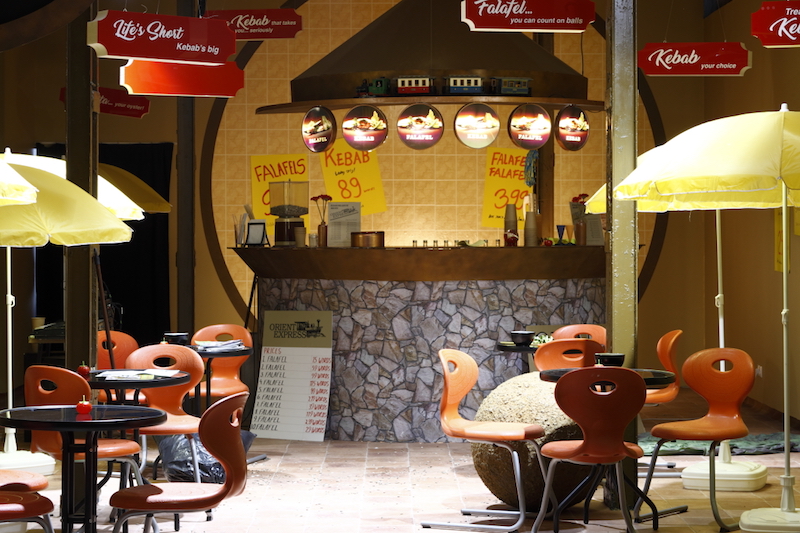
column 504, row 184
column 267, row 169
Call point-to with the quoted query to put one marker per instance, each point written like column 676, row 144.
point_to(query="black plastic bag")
column 176, row 458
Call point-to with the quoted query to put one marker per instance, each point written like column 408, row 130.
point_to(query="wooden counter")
column 426, row 264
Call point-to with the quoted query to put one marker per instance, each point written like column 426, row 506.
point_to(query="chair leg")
column 548, row 489
column 623, row 501
column 519, row 514
column 637, row 516
column 712, row 490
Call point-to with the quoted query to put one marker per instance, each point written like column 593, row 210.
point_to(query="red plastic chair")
column 122, row 345
column 22, row 481
column 592, row 331
column 50, row 385
column 724, row 391
column 666, row 349
column 566, row 353
column 26, row 507
column 221, row 434
column 225, row 371
column 457, row 383
column 602, row 401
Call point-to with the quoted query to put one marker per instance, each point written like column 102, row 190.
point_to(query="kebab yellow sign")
column 353, row 176
column 505, row 184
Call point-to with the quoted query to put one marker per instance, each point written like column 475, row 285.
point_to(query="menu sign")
column 319, row 129
column 258, row 24
column 118, row 102
column 295, row 376
column 504, row 185
column 364, row 127
column 777, row 24
column 565, row 16
column 529, row 126
column 694, row 59
column 573, row 128
column 124, row 34
column 420, row 126
column 477, row 125
column 180, row 79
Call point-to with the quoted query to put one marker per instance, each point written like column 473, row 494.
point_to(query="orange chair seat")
column 221, row 387
column 106, row 449
column 709, row 428
column 22, row 481
column 168, row 496
column 23, row 505
column 493, row 431
column 667, row 394
column 572, row 450
column 174, row 425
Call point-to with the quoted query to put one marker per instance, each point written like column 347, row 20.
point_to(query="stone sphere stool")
column 525, row 398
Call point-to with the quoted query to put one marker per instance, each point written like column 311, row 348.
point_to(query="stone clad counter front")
column 386, row 383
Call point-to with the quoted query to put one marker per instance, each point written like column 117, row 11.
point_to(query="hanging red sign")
column 566, row 16
column 179, row 79
column 118, row 102
column 258, row 24
column 777, row 24
column 126, row 35
column 694, row 59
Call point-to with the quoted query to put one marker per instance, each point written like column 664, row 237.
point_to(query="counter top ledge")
column 426, row 264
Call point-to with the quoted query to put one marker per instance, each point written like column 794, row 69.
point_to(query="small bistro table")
column 208, row 354
column 117, row 382
column 65, row 419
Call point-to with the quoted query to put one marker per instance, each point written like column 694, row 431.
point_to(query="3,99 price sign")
column 353, row 176
column 505, row 184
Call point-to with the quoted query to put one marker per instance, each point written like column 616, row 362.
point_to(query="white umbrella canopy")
column 748, row 161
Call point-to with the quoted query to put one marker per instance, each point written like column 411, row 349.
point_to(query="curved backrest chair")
column 122, row 345
column 458, row 381
column 666, row 349
column 50, row 385
column 170, row 399
column 566, row 353
column 26, row 507
column 591, row 331
column 221, row 433
column 225, row 371
column 724, row 391
column 602, row 401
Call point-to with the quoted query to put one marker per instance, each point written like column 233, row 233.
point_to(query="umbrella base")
column 39, row 463
column 745, row 476
column 769, row 520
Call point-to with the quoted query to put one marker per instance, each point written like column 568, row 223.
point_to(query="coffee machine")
column 288, row 201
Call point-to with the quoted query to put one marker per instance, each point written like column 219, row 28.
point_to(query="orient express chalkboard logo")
column 296, row 330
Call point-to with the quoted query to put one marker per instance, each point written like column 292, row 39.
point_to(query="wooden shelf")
column 346, row 103
column 426, row 264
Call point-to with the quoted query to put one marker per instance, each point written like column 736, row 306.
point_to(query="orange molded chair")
column 724, row 391
column 592, row 331
column 666, row 349
column 122, row 345
column 457, row 383
column 50, row 385
column 566, row 353
column 22, row 481
column 225, row 378
column 170, row 399
column 221, row 434
column 26, row 507
column 602, row 401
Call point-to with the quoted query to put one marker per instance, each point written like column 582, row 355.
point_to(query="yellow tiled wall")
column 433, row 194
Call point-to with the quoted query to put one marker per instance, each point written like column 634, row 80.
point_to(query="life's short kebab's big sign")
column 128, row 35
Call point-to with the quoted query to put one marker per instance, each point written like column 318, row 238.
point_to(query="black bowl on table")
column 522, row 338
column 609, row 359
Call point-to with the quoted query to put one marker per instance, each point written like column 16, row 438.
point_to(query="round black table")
column 122, row 380
column 652, row 377
column 65, row 419
column 208, row 353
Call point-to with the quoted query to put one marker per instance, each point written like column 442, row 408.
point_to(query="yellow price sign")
column 505, row 184
column 266, row 169
column 353, row 176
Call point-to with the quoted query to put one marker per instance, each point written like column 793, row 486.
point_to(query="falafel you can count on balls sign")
column 294, row 378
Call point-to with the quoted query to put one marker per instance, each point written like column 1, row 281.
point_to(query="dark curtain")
column 136, row 273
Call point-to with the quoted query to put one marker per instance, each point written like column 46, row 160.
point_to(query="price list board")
column 294, row 377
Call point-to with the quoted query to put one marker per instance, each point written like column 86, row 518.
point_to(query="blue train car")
column 515, row 86
column 464, row 84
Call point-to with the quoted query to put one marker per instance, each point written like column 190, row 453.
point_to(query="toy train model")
column 453, row 85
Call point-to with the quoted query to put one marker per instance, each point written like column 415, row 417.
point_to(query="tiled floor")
column 357, row 487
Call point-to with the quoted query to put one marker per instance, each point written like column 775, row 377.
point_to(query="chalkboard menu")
column 294, row 377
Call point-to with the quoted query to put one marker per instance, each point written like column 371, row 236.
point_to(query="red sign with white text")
column 180, row 79
column 557, row 16
column 777, row 24
column 127, row 35
column 118, row 102
column 694, row 59
column 258, row 24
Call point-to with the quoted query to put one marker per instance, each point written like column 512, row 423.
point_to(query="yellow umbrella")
column 107, row 194
column 134, row 188
column 14, row 189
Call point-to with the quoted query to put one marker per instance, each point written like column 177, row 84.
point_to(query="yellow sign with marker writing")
column 353, row 176
column 505, row 184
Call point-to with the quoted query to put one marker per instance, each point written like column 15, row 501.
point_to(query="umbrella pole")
column 10, row 445
column 102, row 288
column 719, row 300
column 787, row 480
